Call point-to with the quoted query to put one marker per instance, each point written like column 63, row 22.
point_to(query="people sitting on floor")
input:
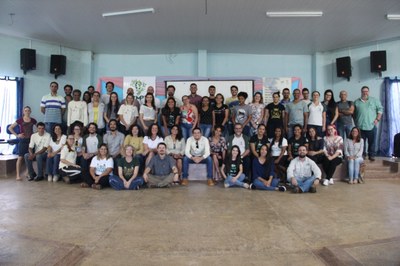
column 232, row 169
column 101, row 168
column 70, row 171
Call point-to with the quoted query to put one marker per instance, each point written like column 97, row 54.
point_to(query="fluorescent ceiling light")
column 393, row 16
column 128, row 12
column 305, row 14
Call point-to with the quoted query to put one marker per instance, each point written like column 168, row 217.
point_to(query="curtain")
column 8, row 106
column 391, row 117
column 20, row 96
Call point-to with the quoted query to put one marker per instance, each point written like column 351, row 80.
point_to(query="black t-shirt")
column 170, row 116
column 316, row 145
column 259, row 142
column 206, row 116
column 220, row 114
column 296, row 143
column 275, row 114
column 232, row 167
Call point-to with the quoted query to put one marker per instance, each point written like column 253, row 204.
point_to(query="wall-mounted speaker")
column 378, row 61
column 28, row 59
column 343, row 67
column 58, row 64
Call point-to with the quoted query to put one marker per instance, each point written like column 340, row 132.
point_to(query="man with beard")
column 114, row 140
column 303, row 173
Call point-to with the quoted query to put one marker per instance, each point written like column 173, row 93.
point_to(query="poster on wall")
column 271, row 85
column 139, row 85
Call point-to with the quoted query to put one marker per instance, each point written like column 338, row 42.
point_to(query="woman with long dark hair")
column 170, row 115
column 232, row 169
column 264, row 177
column 53, row 153
column 278, row 146
column 69, row 169
column 332, row 112
column 87, row 97
column 315, row 146
column 206, row 118
column 257, row 112
column 217, row 150
column 353, row 151
column 176, row 146
column 148, row 112
column 101, row 168
column 220, row 113
column 112, row 108
column 151, row 140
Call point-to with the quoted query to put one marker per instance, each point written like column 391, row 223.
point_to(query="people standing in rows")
column 241, row 113
column 37, row 151
column 176, row 147
column 296, row 114
column 56, row 143
column 274, row 115
column 232, row 169
column 96, row 112
column 112, row 108
column 221, row 114
column 128, row 172
column 279, row 154
column 77, row 110
column 306, row 95
column 315, row 146
column 52, row 106
column 242, row 141
column 257, row 112
column 258, row 140
column 345, row 121
column 87, row 97
column 303, row 173
column 194, row 98
column 211, row 95
column 26, row 127
column 368, row 113
column 218, row 149
column 189, row 117
column 296, row 141
column 115, row 141
column 101, row 167
column 90, row 145
column 70, row 170
column 206, row 118
column 151, row 140
column 264, row 177
column 286, row 97
column 332, row 112
column 353, row 150
column 105, row 97
column 171, row 94
column 333, row 150
column 135, row 139
column 317, row 114
column 128, row 114
column 170, row 115
column 197, row 151
column 148, row 112
column 161, row 170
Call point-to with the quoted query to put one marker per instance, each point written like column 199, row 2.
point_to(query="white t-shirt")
column 148, row 112
column 55, row 146
column 275, row 150
column 240, row 143
column 101, row 165
column 152, row 144
column 129, row 112
column 70, row 156
column 315, row 114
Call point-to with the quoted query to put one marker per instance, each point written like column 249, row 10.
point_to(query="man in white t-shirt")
column 90, row 146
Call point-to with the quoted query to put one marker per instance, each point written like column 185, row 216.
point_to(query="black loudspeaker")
column 28, row 59
column 343, row 67
column 58, row 64
column 378, row 61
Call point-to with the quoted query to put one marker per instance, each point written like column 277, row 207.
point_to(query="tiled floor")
column 44, row 223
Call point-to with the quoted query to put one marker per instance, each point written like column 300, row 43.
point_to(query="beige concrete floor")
column 44, row 223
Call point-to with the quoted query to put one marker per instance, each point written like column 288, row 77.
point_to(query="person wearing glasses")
column 70, row 171
column 242, row 141
column 78, row 141
column 197, row 151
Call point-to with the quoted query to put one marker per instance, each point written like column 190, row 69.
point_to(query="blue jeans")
column 186, row 130
column 354, row 168
column 117, row 183
column 205, row 129
column 187, row 161
column 40, row 158
column 260, row 185
column 52, row 165
column 305, row 183
column 370, row 135
column 344, row 130
column 239, row 182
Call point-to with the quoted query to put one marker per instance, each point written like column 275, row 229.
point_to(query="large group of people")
column 101, row 140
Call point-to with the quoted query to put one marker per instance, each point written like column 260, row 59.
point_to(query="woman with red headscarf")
column 333, row 150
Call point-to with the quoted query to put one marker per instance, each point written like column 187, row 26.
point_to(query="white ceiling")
column 185, row 26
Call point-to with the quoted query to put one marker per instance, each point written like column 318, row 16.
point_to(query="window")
column 8, row 108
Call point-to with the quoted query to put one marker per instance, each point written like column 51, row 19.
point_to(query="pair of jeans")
column 260, row 185
column 344, row 130
column 186, row 130
column 305, row 183
column 354, row 168
column 52, row 165
column 205, row 129
column 370, row 135
column 207, row 161
column 40, row 159
column 117, row 183
column 239, row 182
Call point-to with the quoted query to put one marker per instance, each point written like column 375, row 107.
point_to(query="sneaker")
column 282, row 188
column 49, row 178
column 252, row 186
column 56, row 178
column 313, row 189
column 66, row 179
column 30, row 178
column 39, row 178
column 245, row 185
column 331, row 181
column 372, row 158
column 326, row 182
column 226, row 185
